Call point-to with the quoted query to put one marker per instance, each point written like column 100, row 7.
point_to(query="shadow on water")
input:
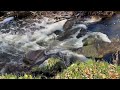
column 109, row 26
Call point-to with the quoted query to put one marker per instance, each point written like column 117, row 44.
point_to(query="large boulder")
column 32, row 56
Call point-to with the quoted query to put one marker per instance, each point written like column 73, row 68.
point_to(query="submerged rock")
column 112, row 57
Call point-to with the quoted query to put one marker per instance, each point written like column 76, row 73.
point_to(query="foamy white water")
column 28, row 40
column 20, row 37
column 37, row 34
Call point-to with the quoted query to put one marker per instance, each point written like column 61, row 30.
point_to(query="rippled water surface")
column 22, row 36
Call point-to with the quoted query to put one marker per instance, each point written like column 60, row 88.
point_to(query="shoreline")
column 56, row 14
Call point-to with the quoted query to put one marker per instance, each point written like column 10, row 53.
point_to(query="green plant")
column 90, row 70
column 78, row 70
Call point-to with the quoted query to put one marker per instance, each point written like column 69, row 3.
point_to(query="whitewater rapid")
column 20, row 37
column 28, row 40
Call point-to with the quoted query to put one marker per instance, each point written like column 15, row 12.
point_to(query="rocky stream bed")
column 29, row 38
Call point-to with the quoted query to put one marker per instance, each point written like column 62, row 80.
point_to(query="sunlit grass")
column 90, row 70
column 78, row 70
column 11, row 76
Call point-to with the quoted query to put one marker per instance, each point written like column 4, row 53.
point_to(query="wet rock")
column 32, row 56
column 104, row 48
column 82, row 33
column 67, row 34
column 103, row 51
column 76, row 31
column 112, row 57
column 58, row 32
column 89, row 51
column 69, row 24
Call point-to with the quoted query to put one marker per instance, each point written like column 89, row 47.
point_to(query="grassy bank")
column 90, row 70
column 77, row 70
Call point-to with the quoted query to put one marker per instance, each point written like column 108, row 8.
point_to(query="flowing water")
column 20, row 37
column 111, row 27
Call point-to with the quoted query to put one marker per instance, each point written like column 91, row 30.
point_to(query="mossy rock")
column 49, row 68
